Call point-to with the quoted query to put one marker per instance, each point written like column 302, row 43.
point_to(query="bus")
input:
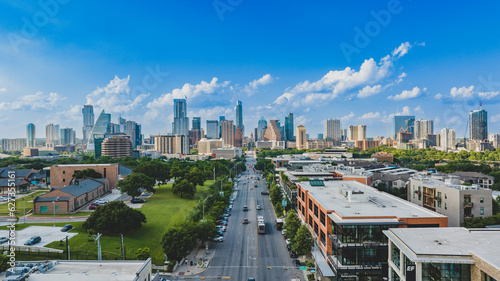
column 261, row 225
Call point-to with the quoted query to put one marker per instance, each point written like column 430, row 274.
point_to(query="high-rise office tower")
column 30, row 135
column 51, row 136
column 212, row 129
column 181, row 122
column 239, row 117
column 88, row 121
column 357, row 133
column 403, row 123
column 478, row 124
column 67, row 136
column 320, row 136
column 261, row 128
column 448, row 139
column 422, row 128
column 196, row 123
column 289, row 136
column 101, row 127
column 301, row 137
column 238, row 137
column 220, row 125
column 272, row 132
column 227, row 132
column 333, row 129
column 117, row 147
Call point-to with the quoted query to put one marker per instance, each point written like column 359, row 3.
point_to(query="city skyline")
column 432, row 75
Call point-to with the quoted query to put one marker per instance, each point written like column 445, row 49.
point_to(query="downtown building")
column 212, row 129
column 52, row 135
column 289, row 136
column 171, row 144
column 30, row 136
column 13, row 144
column 117, row 147
column 333, row 129
column 301, row 141
column 88, row 122
column 403, row 124
column 478, row 127
column 227, row 132
column 347, row 220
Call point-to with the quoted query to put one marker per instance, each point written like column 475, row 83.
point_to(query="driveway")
column 48, row 234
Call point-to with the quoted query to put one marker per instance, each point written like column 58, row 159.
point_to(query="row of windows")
column 45, row 208
column 360, row 233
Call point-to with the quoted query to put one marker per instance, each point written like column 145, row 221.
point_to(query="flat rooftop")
column 448, row 243
column 434, row 181
column 90, row 270
column 365, row 203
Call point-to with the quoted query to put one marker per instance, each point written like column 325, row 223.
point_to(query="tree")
column 303, row 179
column 4, row 263
column 134, row 183
column 114, row 217
column 177, row 242
column 142, row 253
column 157, row 170
column 87, row 173
column 206, row 230
column 275, row 194
column 292, row 223
column 196, row 177
column 177, row 172
column 303, row 241
column 184, row 187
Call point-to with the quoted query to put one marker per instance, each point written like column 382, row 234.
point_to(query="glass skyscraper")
column 212, row 129
column 289, row 127
column 101, row 127
column 181, row 122
column 333, row 129
column 403, row 122
column 30, row 135
column 478, row 124
column 261, row 127
column 239, row 116
column 88, row 121
column 196, row 123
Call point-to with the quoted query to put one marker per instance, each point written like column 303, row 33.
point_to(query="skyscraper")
column 357, row 133
column 212, row 129
column 261, row 128
column 101, row 127
column 51, row 136
column 67, row 136
column 88, row 121
column 301, row 137
column 448, row 139
column 181, row 122
column 196, row 123
column 478, row 124
column 133, row 130
column 422, row 128
column 289, row 136
column 227, row 132
column 30, row 135
column 404, row 123
column 333, row 129
column 239, row 117
column 272, row 132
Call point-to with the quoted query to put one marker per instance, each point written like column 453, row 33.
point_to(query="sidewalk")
column 200, row 258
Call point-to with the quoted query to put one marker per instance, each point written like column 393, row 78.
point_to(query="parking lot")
column 47, row 233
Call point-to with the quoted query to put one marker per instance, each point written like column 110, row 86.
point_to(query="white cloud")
column 74, row 113
column 415, row 92
column 406, row 111
column 369, row 91
column 438, row 96
column 370, row 115
column 453, row 120
column 401, row 50
column 115, row 97
column 495, row 118
column 301, row 120
column 33, row 102
column 462, row 92
column 3, row 90
column 488, row 95
column 253, row 86
column 421, row 44
column 211, row 113
column 418, row 109
column 347, row 117
column 400, row 77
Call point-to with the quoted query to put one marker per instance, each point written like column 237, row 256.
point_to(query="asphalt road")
column 245, row 253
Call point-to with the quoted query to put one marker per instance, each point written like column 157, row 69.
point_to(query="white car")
column 101, row 201
column 219, row 239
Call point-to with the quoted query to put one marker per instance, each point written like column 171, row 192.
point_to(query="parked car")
column 4, row 198
column 101, row 201
column 219, row 239
column 296, row 263
column 251, row 279
column 146, row 194
column 3, row 240
column 245, row 221
column 255, row 186
column 258, row 207
column 293, row 255
column 93, row 206
column 33, row 240
column 137, row 200
column 289, row 247
column 224, row 228
column 264, row 193
column 67, row 228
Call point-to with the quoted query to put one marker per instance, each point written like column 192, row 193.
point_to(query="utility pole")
column 67, row 248
column 98, row 239
column 24, row 208
column 121, row 246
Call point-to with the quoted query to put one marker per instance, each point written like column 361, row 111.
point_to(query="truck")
column 261, row 225
column 279, row 224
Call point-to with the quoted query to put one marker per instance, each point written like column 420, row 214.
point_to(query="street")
column 245, row 253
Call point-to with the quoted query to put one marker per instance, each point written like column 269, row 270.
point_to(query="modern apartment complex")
column 347, row 219
column 172, row 144
column 117, row 147
column 448, row 196
column 13, row 144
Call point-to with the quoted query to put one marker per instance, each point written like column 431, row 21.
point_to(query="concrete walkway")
column 200, row 259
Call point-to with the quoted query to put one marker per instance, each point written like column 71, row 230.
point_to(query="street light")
column 204, row 207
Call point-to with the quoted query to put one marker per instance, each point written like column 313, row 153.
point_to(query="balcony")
column 426, row 194
column 370, row 266
column 468, row 204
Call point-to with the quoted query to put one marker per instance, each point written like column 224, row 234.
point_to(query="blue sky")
column 362, row 61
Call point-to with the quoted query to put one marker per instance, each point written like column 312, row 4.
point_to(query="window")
column 445, row 271
column 310, row 205
column 481, row 200
column 395, row 255
column 445, row 206
column 439, row 203
column 322, row 218
column 322, row 238
column 43, row 209
column 481, row 210
column 57, row 208
column 316, row 229
column 310, row 221
column 316, row 210
column 64, row 172
column 303, row 195
column 64, row 180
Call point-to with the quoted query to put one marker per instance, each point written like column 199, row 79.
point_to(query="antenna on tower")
column 185, row 97
column 480, row 104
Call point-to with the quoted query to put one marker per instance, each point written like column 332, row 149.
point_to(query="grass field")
column 19, row 204
column 162, row 210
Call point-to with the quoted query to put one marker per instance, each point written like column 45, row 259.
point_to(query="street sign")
column 303, row 267
column 283, row 203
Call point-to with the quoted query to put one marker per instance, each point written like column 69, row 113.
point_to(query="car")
column 289, row 247
column 255, row 186
column 93, row 206
column 137, row 200
column 264, row 193
column 146, row 194
column 101, row 201
column 296, row 263
column 3, row 240
column 224, row 228
column 245, row 208
column 67, row 228
column 33, row 240
column 4, row 198
column 293, row 255
column 251, row 279
column 220, row 232
column 258, row 207
column 219, row 239
column 245, row 221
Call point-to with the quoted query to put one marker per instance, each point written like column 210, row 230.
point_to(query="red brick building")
column 61, row 175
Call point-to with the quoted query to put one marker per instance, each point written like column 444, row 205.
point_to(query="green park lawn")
column 162, row 210
column 19, row 204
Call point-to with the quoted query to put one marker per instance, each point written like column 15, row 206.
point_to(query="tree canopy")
column 184, row 187
column 87, row 173
column 303, row 241
column 114, row 217
column 134, row 183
